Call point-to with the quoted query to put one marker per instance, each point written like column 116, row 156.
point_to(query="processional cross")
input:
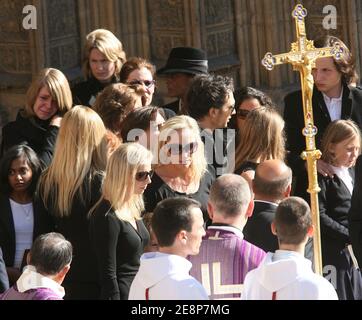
column 302, row 56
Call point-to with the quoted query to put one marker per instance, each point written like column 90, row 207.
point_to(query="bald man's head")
column 272, row 179
column 230, row 194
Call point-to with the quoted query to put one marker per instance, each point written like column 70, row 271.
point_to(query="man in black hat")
column 182, row 65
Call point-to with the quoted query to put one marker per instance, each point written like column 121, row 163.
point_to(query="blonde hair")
column 120, row 182
column 80, row 152
column 336, row 132
column 108, row 44
column 58, row 87
column 261, row 136
column 199, row 164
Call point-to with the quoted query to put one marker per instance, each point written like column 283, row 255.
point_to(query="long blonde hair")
column 58, row 87
column 108, row 44
column 261, row 136
column 119, row 183
column 80, row 152
column 199, row 164
column 336, row 132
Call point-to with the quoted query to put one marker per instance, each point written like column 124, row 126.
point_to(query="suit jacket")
column 355, row 213
column 4, row 281
column 42, row 224
column 258, row 231
column 294, row 120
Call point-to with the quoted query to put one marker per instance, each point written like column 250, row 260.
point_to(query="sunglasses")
column 177, row 149
column 146, row 83
column 143, row 175
column 242, row 113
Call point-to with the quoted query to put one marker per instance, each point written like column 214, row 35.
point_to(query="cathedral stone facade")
column 235, row 33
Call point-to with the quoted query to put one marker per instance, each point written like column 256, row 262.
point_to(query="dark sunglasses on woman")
column 143, row 175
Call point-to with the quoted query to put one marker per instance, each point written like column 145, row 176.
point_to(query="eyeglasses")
column 146, row 83
column 242, row 113
column 143, row 175
column 177, row 149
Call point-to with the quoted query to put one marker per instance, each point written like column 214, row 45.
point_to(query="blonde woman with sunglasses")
column 118, row 234
column 181, row 167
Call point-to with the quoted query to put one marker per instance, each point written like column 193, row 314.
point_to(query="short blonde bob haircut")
column 108, row 44
column 336, row 132
column 58, row 87
column 176, row 124
column 120, row 180
column 80, row 153
column 261, row 137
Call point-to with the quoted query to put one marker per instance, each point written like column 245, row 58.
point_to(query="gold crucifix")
column 302, row 56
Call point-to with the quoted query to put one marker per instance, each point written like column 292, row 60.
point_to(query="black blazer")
column 4, row 281
column 355, row 213
column 42, row 224
column 257, row 230
column 35, row 133
column 118, row 246
column 294, row 120
column 174, row 106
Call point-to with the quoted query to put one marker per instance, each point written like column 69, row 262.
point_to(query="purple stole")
column 223, row 262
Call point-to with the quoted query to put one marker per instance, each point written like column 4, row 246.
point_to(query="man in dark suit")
column 4, row 281
column 182, row 65
column 272, row 183
column 334, row 97
column 355, row 214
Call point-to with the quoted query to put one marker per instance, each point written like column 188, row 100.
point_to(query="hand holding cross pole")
column 302, row 57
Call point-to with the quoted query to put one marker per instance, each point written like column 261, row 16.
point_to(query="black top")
column 174, row 106
column 42, row 224
column 334, row 204
column 158, row 190
column 85, row 93
column 4, row 281
column 36, row 133
column 246, row 166
column 75, row 228
column 354, row 215
column 118, row 246
column 218, row 149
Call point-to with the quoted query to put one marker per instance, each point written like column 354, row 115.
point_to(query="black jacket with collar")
column 294, row 120
column 42, row 224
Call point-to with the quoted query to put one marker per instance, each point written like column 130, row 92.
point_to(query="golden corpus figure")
column 302, row 56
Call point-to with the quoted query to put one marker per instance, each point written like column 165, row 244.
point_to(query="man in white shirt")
column 178, row 226
column 286, row 274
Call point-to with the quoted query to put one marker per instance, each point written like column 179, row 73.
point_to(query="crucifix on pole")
column 302, row 57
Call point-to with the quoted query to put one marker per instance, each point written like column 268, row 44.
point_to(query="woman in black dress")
column 181, row 167
column 47, row 100
column 117, row 231
column 70, row 187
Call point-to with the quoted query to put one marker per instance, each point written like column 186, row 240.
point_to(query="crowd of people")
column 104, row 195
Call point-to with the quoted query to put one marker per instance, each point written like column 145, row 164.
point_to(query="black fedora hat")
column 185, row 60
